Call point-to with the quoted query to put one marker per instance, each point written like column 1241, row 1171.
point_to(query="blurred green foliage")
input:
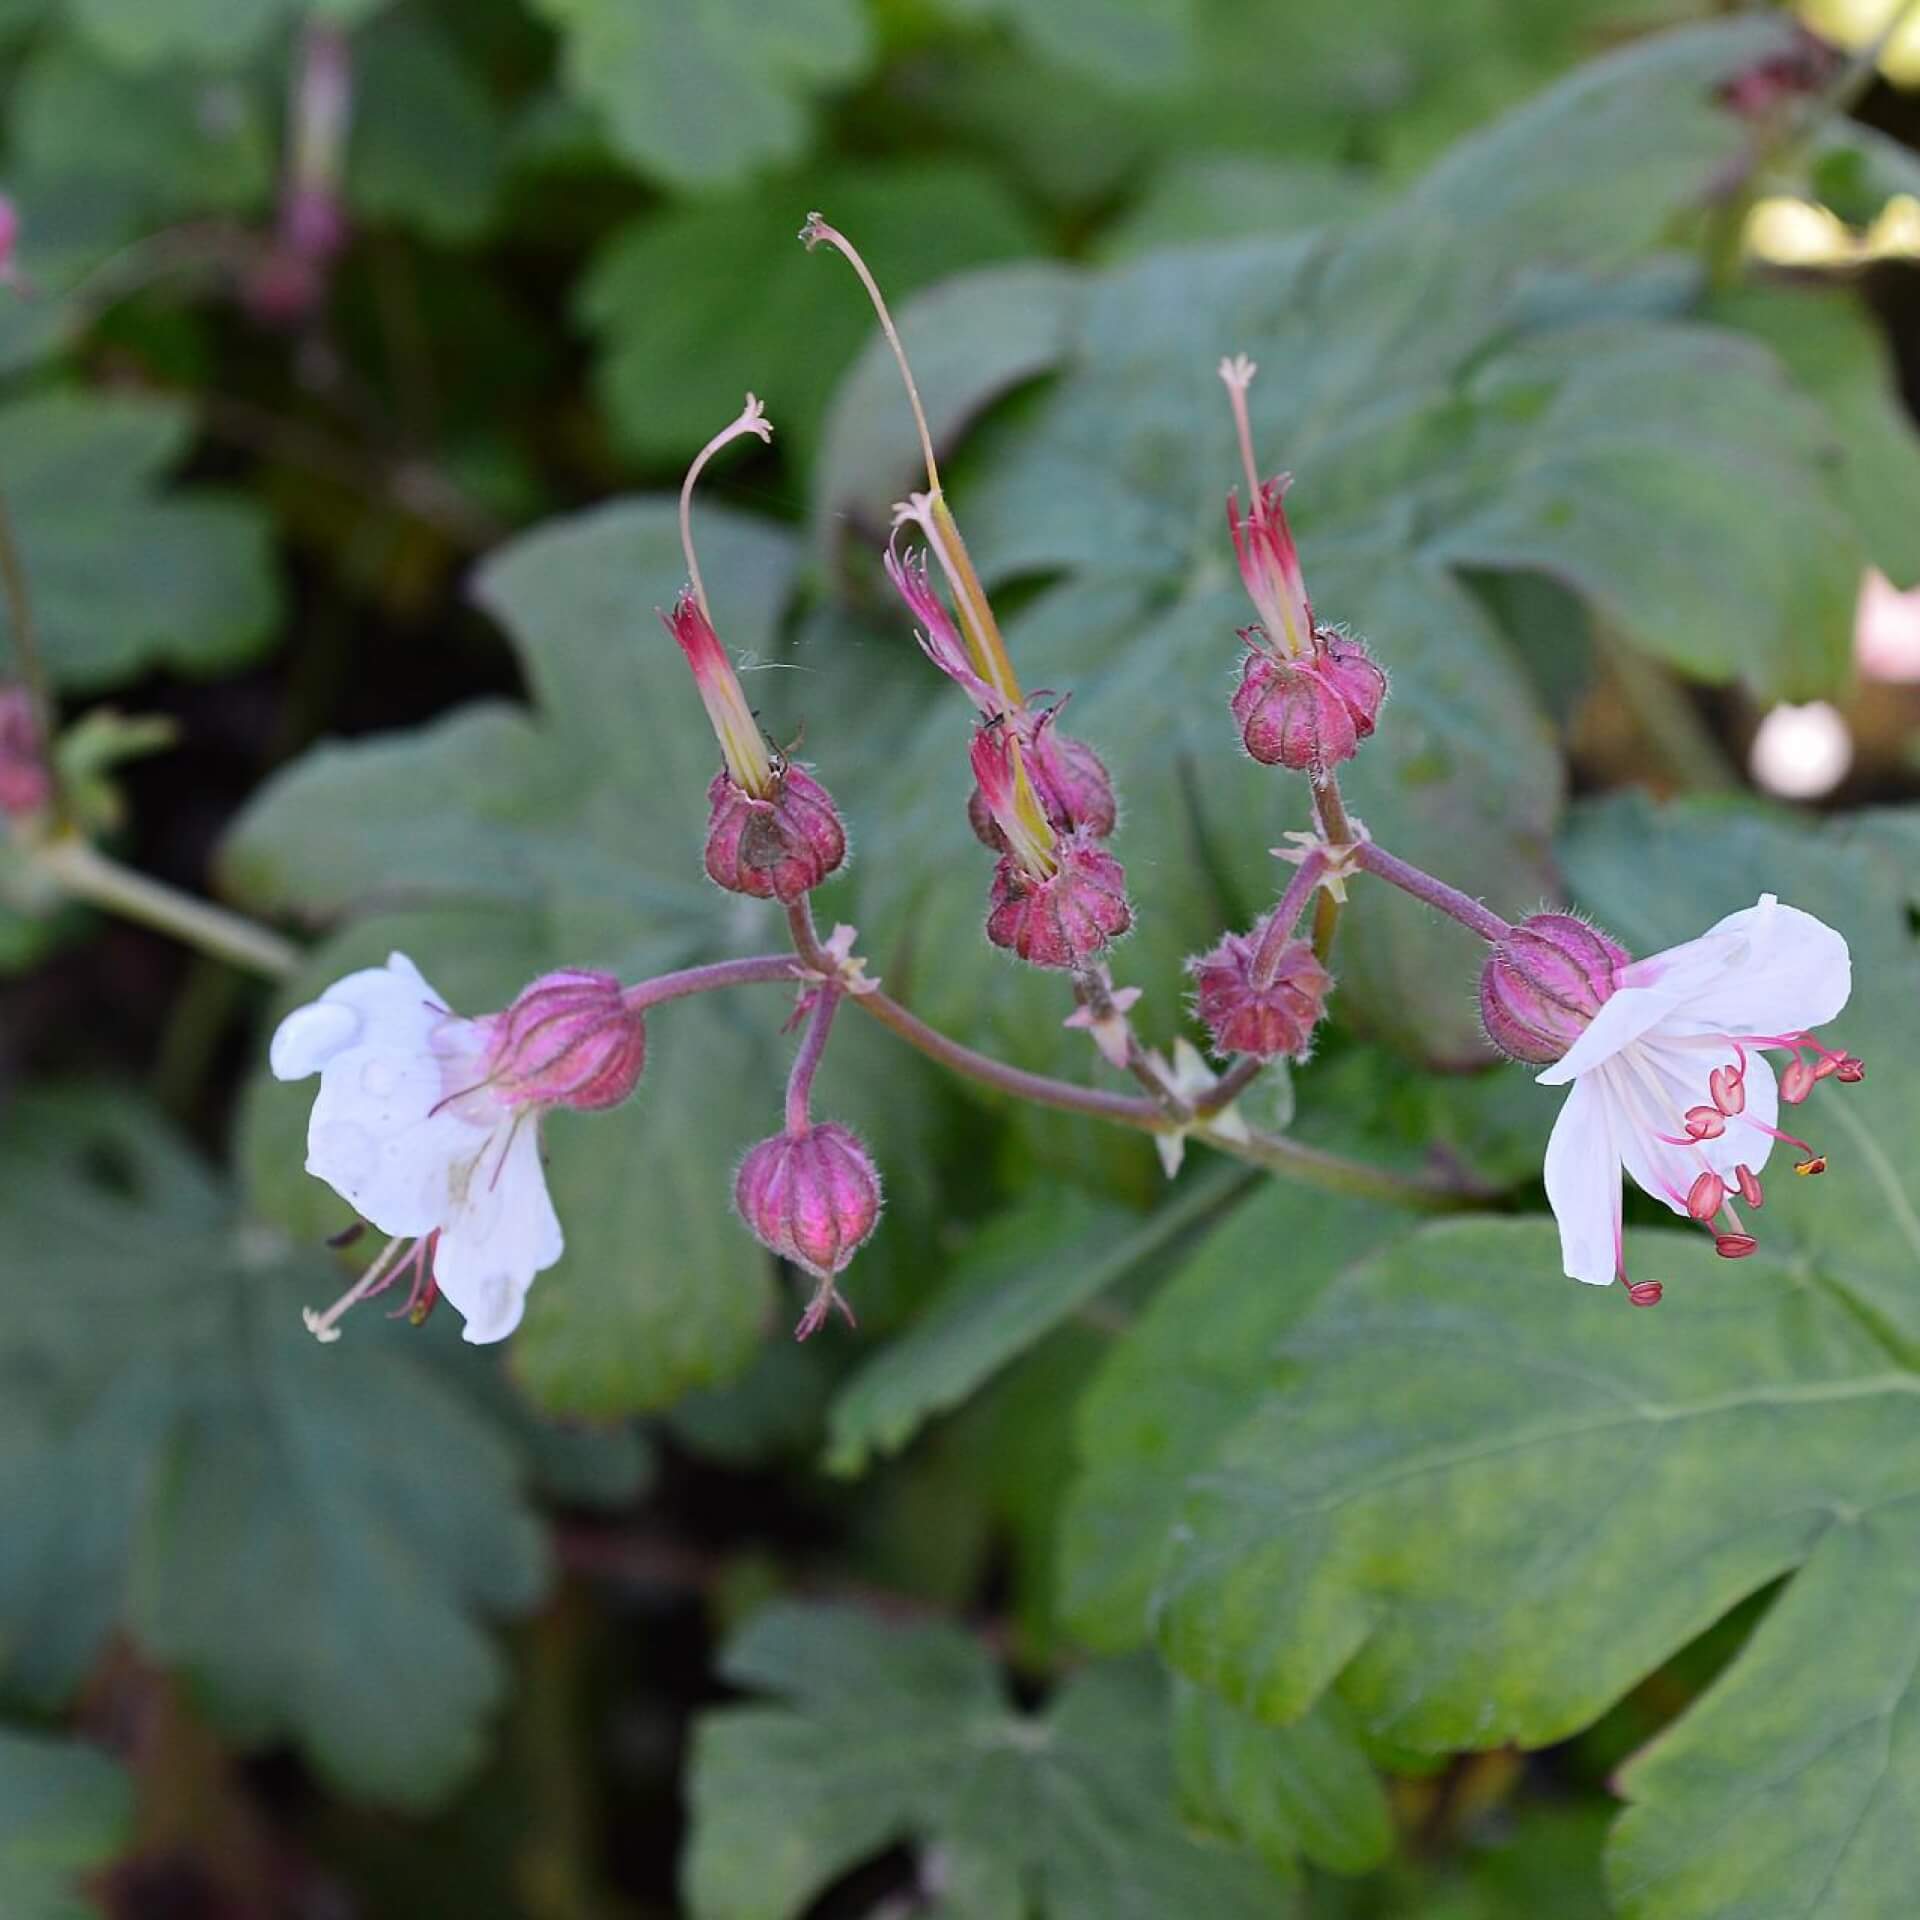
column 1146, row 1552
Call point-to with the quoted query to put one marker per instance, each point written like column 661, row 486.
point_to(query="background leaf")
column 694, row 303
column 176, row 1451
column 123, row 577
column 65, row 1811
column 706, row 92
column 887, row 1734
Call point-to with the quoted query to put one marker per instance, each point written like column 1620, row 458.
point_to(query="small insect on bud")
column 569, row 1040
column 812, row 1197
column 775, row 848
column 1543, row 983
column 1645, row 1293
column 26, row 785
column 1266, row 1010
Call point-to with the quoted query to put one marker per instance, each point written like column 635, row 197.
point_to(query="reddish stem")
column 1285, row 917
column 1436, row 893
column 758, row 970
column 806, row 1062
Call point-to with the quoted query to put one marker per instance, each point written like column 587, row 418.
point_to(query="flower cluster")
column 429, row 1123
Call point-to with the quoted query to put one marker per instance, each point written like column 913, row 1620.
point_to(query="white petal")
column 384, row 1137
column 309, row 1037
column 1583, row 1184
column 389, row 1054
column 1764, row 970
column 1631, row 1012
column 503, row 1234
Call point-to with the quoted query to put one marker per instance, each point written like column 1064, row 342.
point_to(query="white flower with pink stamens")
column 428, row 1124
column 1669, row 1081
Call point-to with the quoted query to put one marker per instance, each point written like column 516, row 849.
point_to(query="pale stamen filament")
column 1237, row 374
column 385, row 1270
column 817, row 230
column 753, row 419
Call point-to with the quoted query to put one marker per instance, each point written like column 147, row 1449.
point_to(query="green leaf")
column 1234, row 196
column 1837, row 354
column 500, row 843
column 171, row 144
column 428, row 146
column 885, row 1734
column 1566, row 1494
column 280, row 1523
column 1283, row 1791
column 1025, row 1274
column 705, row 93
column 142, row 33
column 681, row 336
column 125, row 577
column 1129, row 45
column 65, row 1812
column 1188, row 1370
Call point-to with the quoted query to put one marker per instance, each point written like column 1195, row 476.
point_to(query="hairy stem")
column 89, row 875
column 1285, row 917
column 757, row 970
column 1311, row 1166
column 1436, row 893
column 806, row 1062
column 1337, row 830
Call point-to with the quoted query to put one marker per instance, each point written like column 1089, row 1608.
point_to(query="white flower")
column 407, row 1128
column 1646, row 1094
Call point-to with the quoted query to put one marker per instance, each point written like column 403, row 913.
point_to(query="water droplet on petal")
column 379, row 1077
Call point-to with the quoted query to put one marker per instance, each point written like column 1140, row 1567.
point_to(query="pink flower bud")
column 25, row 784
column 812, row 1197
column 1068, row 917
column 779, row 848
column 569, row 1040
column 1543, row 983
column 1070, row 781
column 1312, row 713
column 1265, row 1017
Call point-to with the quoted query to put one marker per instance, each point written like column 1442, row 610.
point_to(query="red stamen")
column 1706, row 1196
column 1817, row 1163
column 1645, row 1293
column 1796, row 1081
column 1704, row 1123
column 1734, row 1246
column 1728, row 1089
column 1851, row 1070
column 1749, row 1184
